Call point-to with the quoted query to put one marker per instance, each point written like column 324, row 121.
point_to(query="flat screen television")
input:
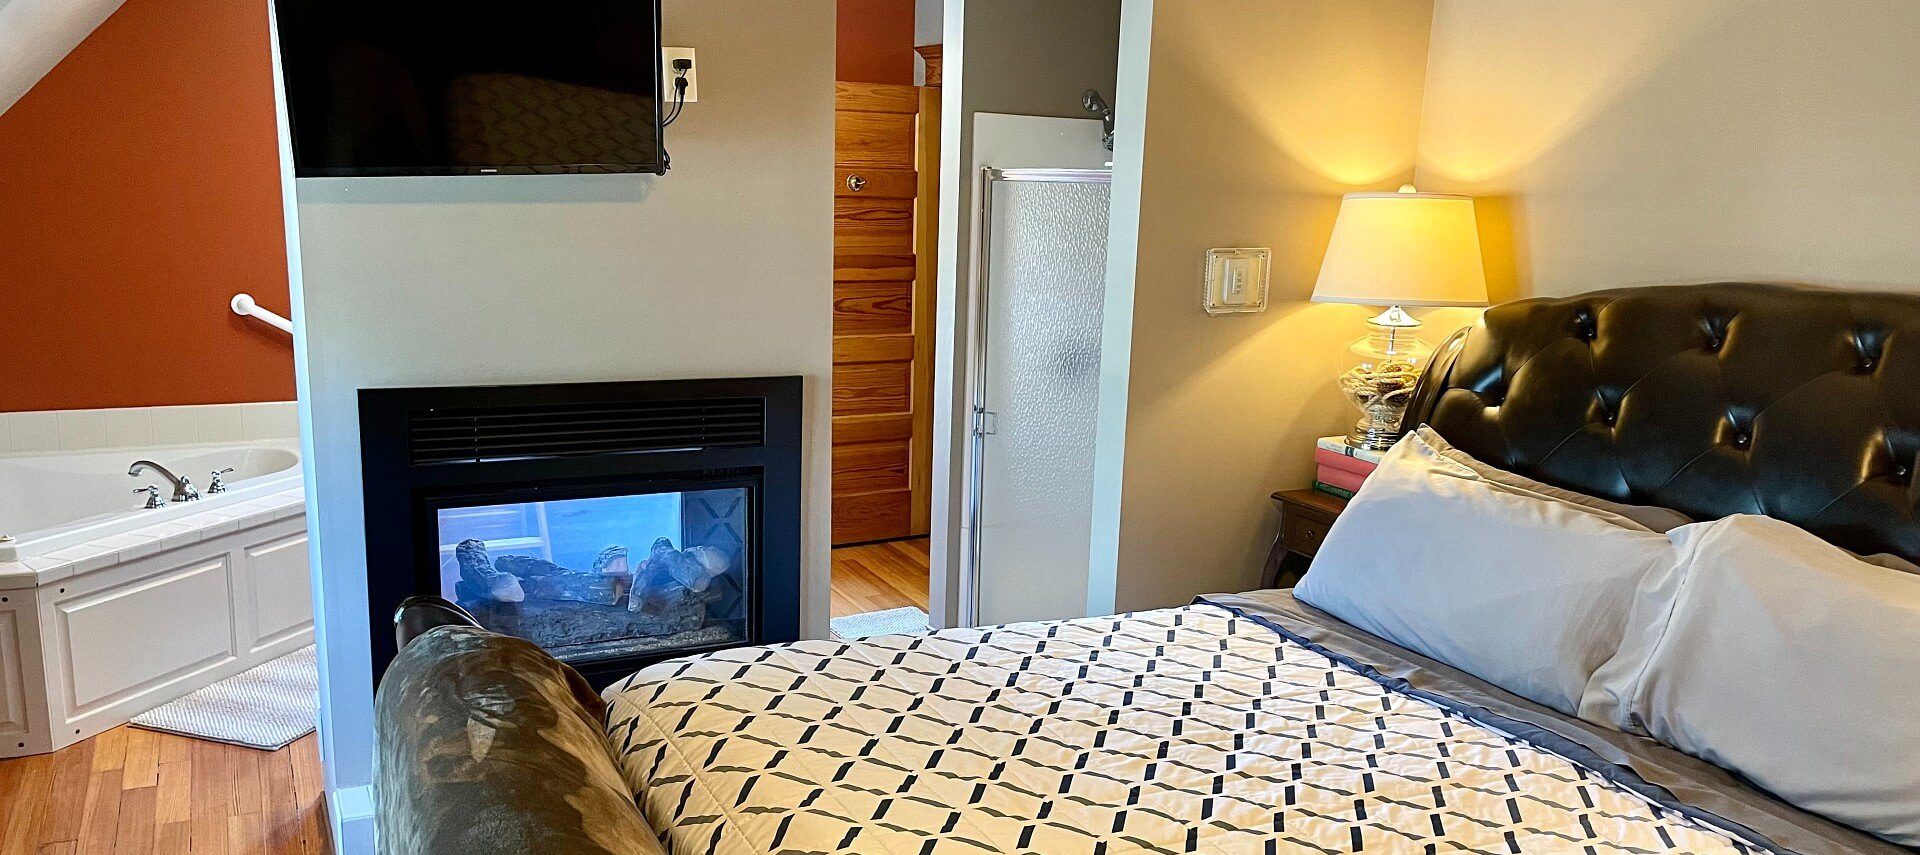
column 472, row 87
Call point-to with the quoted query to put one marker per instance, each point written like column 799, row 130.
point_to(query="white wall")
column 929, row 21
column 1240, row 148
column 1001, row 56
column 35, row 35
column 720, row 268
column 1132, row 87
column 1620, row 142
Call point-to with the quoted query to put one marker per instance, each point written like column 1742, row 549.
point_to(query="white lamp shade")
column 1403, row 249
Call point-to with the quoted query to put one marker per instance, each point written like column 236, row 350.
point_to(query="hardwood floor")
column 131, row 792
column 876, row 576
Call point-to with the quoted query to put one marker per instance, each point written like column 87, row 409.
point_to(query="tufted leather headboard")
column 1720, row 399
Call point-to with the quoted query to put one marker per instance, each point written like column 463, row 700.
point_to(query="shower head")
column 1098, row 106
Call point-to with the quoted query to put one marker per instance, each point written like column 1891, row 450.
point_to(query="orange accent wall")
column 875, row 42
column 139, row 191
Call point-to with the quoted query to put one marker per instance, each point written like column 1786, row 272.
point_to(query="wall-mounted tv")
column 472, row 87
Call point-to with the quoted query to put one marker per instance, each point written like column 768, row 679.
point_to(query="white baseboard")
column 350, row 817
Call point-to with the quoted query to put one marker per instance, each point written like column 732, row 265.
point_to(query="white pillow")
column 1525, row 592
column 1789, row 660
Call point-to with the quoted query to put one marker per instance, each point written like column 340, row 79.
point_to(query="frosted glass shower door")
column 1037, row 375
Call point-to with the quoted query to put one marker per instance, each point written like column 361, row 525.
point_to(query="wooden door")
column 881, row 351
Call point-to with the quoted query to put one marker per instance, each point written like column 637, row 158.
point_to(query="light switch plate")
column 667, row 56
column 1236, row 280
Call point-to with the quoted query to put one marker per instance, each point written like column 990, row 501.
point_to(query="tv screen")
column 473, row 87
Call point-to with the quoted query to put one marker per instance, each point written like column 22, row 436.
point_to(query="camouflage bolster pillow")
column 489, row 745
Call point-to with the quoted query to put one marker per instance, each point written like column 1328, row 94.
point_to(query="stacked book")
column 1341, row 468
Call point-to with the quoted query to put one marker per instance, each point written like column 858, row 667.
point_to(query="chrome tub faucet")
column 183, row 489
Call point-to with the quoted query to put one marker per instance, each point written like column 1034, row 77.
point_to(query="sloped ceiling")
column 36, row 34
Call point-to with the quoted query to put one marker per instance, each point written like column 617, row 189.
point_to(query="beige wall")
column 1634, row 142
column 721, row 267
column 1035, row 59
column 1611, row 142
column 1246, row 148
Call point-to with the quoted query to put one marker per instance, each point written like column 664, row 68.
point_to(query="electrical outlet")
column 667, row 56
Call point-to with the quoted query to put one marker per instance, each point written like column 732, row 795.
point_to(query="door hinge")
column 985, row 422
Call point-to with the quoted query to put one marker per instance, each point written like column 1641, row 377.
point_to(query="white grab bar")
column 243, row 304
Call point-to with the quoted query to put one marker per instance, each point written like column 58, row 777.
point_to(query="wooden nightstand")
column 1305, row 516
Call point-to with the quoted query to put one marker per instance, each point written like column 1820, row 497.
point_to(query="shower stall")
column 1037, row 303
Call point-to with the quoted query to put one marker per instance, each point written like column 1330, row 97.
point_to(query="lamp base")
column 1381, row 385
column 1373, row 437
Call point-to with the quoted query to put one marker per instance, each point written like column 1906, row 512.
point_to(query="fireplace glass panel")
column 604, row 577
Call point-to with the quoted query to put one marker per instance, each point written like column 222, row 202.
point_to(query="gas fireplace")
column 613, row 524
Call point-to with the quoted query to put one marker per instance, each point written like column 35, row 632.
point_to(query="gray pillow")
column 1652, row 517
column 1772, row 653
column 1528, row 593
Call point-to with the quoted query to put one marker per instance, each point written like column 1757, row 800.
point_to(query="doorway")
column 1012, row 108
column 886, row 187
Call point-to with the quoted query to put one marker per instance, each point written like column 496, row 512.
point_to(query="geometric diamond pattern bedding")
column 1188, row 730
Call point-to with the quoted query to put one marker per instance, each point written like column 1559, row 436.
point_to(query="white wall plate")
column 1236, row 280
column 667, row 56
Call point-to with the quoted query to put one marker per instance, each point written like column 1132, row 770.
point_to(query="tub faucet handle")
column 218, row 484
column 153, row 496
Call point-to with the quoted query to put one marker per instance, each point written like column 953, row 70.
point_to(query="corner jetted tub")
column 108, row 609
column 52, row 501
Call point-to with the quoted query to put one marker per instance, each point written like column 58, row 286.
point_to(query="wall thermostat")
column 1236, row 280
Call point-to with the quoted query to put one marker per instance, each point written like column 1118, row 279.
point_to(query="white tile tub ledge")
column 15, row 576
column 176, row 533
column 96, row 632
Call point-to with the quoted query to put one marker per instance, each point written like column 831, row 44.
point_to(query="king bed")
column 1445, row 689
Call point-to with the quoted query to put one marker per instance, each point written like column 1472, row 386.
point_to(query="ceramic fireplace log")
column 479, row 578
column 544, row 580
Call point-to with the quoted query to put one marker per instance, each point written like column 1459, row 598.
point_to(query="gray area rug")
column 264, row 707
column 905, row 620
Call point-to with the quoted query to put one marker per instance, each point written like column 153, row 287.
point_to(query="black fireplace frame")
column 401, row 493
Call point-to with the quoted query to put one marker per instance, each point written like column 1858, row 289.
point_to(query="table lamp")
column 1397, row 250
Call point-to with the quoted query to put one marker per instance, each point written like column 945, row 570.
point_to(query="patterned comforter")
column 1180, row 730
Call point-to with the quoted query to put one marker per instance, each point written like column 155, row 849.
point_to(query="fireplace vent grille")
column 489, row 433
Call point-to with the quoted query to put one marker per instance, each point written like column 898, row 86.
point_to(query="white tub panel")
column 86, row 650
column 13, row 677
column 132, row 638
column 276, row 581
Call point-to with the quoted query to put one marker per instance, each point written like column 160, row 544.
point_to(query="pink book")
column 1341, row 478
column 1336, row 460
